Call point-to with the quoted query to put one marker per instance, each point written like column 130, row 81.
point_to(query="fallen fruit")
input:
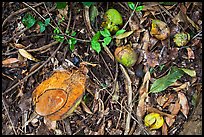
column 126, row 55
column 112, row 20
column 181, row 39
column 153, row 120
column 58, row 96
column 159, row 30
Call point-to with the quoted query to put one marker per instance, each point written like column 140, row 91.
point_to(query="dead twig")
column 129, row 94
column 43, row 47
column 9, row 116
column 151, row 109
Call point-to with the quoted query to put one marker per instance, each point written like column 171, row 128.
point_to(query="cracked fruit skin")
column 126, row 56
column 159, row 30
column 181, row 39
column 112, row 20
column 59, row 95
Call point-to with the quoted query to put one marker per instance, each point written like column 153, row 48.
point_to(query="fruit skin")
column 126, row 56
column 58, row 96
column 112, row 19
column 181, row 39
column 159, row 30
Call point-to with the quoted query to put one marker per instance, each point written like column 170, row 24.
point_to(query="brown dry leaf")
column 174, row 108
column 169, row 121
column 85, row 108
column 19, row 46
column 164, row 129
column 192, row 23
column 190, row 53
column 9, row 61
column 63, row 13
column 152, row 59
column 133, row 25
column 184, row 103
column 183, row 86
column 27, row 55
column 170, row 100
column 162, row 99
column 143, row 94
column 179, row 18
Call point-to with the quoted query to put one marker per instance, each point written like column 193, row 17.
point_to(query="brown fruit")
column 58, row 96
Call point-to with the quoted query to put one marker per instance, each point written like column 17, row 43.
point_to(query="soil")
column 105, row 100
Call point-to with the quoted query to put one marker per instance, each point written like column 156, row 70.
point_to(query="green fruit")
column 126, row 56
column 112, row 20
column 181, row 39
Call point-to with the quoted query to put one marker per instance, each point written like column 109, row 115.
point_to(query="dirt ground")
column 115, row 98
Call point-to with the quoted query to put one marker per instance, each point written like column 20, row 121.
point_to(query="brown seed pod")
column 58, row 96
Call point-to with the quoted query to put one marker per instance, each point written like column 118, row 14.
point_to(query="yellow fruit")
column 181, row 39
column 154, row 121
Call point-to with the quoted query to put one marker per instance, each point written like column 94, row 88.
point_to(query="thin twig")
column 9, row 116
column 129, row 94
column 25, row 78
column 43, row 47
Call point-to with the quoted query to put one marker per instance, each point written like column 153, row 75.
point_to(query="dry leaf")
column 162, row 99
column 9, row 61
column 170, row 99
column 169, row 121
column 50, row 124
column 164, row 129
column 85, row 108
column 190, row 53
column 174, row 108
column 152, row 59
column 184, row 104
column 27, row 55
column 124, row 35
column 19, row 46
column 146, row 41
column 183, row 86
column 63, row 12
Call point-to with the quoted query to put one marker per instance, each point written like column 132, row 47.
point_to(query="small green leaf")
column 107, row 40
column 93, row 13
column 42, row 26
column 61, row 5
column 56, row 30
column 28, row 20
column 73, row 33
column 58, row 38
column 191, row 73
column 47, row 21
column 72, row 42
column 139, row 8
column 96, row 36
column 87, row 3
column 131, row 5
column 95, row 45
column 120, row 32
column 71, row 47
column 105, row 33
column 162, row 83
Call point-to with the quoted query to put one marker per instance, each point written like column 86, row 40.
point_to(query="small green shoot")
column 132, row 6
column 28, row 20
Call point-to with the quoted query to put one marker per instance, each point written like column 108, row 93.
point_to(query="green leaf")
column 191, row 73
column 95, row 45
column 42, row 26
column 47, row 21
column 87, row 3
column 120, row 32
column 56, row 30
column 139, row 8
column 72, row 42
column 58, row 38
column 61, row 5
column 131, row 5
column 73, row 33
column 96, row 36
column 162, row 83
column 28, row 20
column 93, row 13
column 107, row 40
column 105, row 33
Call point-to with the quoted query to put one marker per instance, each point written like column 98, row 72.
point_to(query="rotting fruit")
column 159, row 30
column 126, row 55
column 181, row 39
column 112, row 20
column 59, row 95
